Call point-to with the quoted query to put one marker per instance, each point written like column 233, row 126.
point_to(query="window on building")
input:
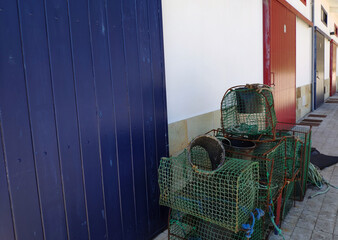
column 324, row 16
column 303, row 1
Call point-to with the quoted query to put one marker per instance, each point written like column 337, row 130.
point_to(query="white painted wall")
column 317, row 18
column 306, row 10
column 333, row 20
column 327, row 29
column 327, row 59
column 337, row 70
column 303, row 53
column 209, row 46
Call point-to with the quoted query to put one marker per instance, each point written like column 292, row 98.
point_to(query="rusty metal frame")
column 297, row 174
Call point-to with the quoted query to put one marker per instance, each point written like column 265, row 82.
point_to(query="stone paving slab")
column 318, row 218
column 315, row 218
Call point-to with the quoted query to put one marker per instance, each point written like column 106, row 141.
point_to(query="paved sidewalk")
column 316, row 218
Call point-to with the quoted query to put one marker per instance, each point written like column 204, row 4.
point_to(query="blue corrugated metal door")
column 82, row 119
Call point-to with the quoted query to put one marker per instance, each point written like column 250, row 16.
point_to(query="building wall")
column 333, row 20
column 206, row 53
column 303, row 68
column 303, row 53
column 183, row 131
column 317, row 15
column 327, row 69
column 334, row 37
column 303, row 100
column 337, row 71
column 326, row 29
column 327, row 59
column 302, row 8
column 303, row 59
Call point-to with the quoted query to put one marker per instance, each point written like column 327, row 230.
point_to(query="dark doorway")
column 319, row 81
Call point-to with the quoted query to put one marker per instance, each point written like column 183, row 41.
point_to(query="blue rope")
column 260, row 213
column 250, row 228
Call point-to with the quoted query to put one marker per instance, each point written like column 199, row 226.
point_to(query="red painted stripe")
column 266, row 42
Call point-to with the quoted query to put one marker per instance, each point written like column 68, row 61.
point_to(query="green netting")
column 270, row 155
column 224, row 196
column 188, row 227
column 303, row 134
column 213, row 189
column 294, row 155
column 287, row 198
column 248, row 110
column 275, row 168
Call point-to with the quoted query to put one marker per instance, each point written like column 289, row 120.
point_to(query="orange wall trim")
column 296, row 12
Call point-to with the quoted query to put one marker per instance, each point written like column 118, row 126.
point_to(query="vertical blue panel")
column 120, row 94
column 148, row 112
column 40, row 101
column 16, row 127
column 83, row 119
column 86, row 100
column 6, row 219
column 136, row 114
column 107, row 138
column 155, row 30
column 66, row 118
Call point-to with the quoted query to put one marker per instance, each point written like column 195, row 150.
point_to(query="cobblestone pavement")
column 315, row 218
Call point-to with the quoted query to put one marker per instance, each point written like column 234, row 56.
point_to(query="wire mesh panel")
column 276, row 168
column 303, row 135
column 271, row 157
column 294, row 155
column 188, row 227
column 287, row 197
column 224, row 196
column 248, row 110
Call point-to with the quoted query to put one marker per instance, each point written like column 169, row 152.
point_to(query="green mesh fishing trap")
column 248, row 111
column 303, row 135
column 271, row 157
column 294, row 155
column 287, row 198
column 223, row 194
column 274, row 169
column 183, row 226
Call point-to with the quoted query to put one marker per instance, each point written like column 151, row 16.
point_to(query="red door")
column 333, row 52
column 283, row 61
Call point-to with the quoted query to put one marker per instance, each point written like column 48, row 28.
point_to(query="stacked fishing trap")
column 237, row 182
